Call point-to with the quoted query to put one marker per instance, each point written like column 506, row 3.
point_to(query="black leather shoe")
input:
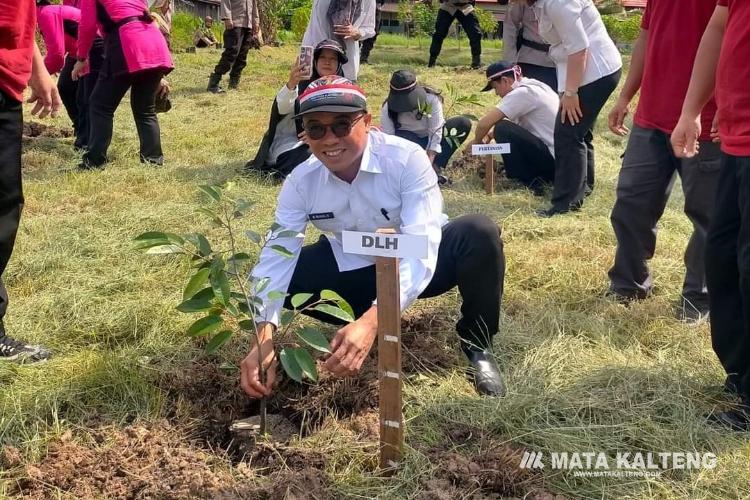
column 485, row 374
column 735, row 420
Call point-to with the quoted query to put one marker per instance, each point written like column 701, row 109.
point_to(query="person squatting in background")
column 415, row 112
column 463, row 11
column 588, row 70
column 241, row 29
column 525, row 119
column 281, row 148
column 367, row 44
column 21, row 64
column 360, row 179
column 204, row 35
column 662, row 61
column 523, row 45
column 721, row 68
column 347, row 21
column 136, row 57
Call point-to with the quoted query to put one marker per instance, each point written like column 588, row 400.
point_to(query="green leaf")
column 205, row 325
column 240, row 256
column 335, row 311
column 314, row 339
column 253, row 236
column 300, row 298
column 282, row 251
column 175, row 238
column 289, row 234
column 152, row 235
column 275, row 227
column 338, row 299
column 195, row 283
column 205, row 294
column 212, row 192
column 242, row 204
column 219, row 340
column 290, row 364
column 261, row 284
column 232, row 309
column 247, row 325
column 305, row 362
column 200, row 242
column 165, row 249
column 144, row 244
column 286, row 317
column 276, row 295
column 219, row 281
column 195, row 305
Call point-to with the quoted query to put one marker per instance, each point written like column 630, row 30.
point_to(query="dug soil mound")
column 35, row 129
column 158, row 461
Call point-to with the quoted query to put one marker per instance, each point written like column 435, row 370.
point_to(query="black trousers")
column 574, row 147
column 105, row 99
column 237, row 42
column 68, row 89
column 288, row 161
column 368, row 43
column 460, row 124
column 86, row 86
column 541, row 73
column 530, row 161
column 728, row 271
column 469, row 23
column 470, row 257
column 11, row 188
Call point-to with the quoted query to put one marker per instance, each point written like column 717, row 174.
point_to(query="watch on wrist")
column 570, row 93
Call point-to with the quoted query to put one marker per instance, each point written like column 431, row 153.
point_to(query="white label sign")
column 385, row 244
column 490, row 149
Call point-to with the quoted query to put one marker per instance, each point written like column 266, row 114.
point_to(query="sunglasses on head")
column 341, row 127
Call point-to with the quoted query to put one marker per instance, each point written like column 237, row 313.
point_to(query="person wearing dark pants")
column 86, row 84
column 136, row 57
column 660, row 68
column 415, row 112
column 361, row 179
column 525, row 119
column 588, row 69
column 68, row 89
column 721, row 69
column 368, row 43
column 242, row 25
column 463, row 11
column 22, row 65
column 523, row 45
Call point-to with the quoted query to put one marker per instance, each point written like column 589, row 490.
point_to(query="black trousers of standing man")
column 574, row 146
column 530, row 161
column 68, row 89
column 105, row 99
column 11, row 190
column 237, row 43
column 728, row 272
column 470, row 256
column 469, row 23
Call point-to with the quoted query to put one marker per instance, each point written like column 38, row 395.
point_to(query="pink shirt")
column 50, row 20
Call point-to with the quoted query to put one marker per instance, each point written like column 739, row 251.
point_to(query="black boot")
column 476, row 61
column 234, row 82
column 432, row 61
column 213, row 84
column 484, row 372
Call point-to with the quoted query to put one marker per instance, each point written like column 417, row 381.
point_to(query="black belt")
column 146, row 18
column 542, row 47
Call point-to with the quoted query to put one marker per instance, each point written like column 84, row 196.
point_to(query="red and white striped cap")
column 333, row 94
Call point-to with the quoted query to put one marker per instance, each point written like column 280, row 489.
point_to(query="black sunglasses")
column 341, row 127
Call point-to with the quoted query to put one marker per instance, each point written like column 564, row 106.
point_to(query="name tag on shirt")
column 320, row 216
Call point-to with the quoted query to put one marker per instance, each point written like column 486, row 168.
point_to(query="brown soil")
column 10, row 457
column 160, row 462
column 429, row 344
column 34, row 129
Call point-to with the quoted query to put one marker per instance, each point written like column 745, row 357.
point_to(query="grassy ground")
column 585, row 374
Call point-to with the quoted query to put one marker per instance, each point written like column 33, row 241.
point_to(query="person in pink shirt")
column 136, row 58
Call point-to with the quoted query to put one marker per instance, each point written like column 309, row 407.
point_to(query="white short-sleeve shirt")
column 570, row 26
column 533, row 105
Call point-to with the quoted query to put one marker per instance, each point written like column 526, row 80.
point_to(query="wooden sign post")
column 388, row 247
column 490, row 150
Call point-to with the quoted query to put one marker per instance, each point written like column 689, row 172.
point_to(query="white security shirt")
column 431, row 126
column 570, row 26
column 396, row 187
column 285, row 138
column 319, row 28
column 533, row 106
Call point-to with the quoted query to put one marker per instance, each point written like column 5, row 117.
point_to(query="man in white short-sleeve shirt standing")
column 524, row 118
column 360, row 179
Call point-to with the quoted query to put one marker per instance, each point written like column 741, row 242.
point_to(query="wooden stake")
column 389, row 363
column 489, row 175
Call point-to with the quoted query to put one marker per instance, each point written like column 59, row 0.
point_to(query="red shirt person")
column 660, row 68
column 721, row 67
column 21, row 64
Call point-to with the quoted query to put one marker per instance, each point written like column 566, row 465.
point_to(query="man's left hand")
column 44, row 95
column 351, row 345
column 346, row 31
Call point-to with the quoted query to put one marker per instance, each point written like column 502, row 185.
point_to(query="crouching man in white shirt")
column 360, row 179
